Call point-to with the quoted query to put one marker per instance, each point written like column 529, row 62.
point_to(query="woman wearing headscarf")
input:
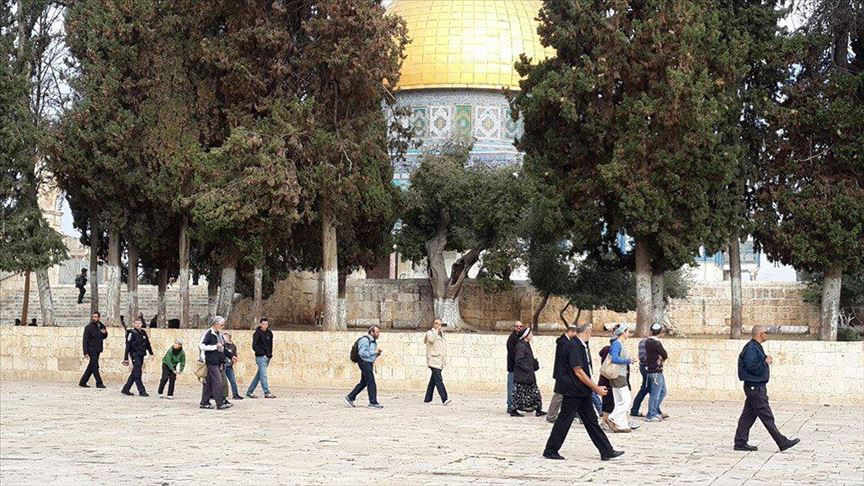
column 526, row 396
column 618, row 420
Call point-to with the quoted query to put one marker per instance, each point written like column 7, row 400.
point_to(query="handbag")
column 609, row 369
column 201, row 371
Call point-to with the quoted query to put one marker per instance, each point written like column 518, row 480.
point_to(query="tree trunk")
column 161, row 318
column 26, row 305
column 735, row 279
column 183, row 277
column 330, row 272
column 342, row 303
column 227, row 283
column 831, row 285
column 114, row 277
column 94, row 264
column 132, row 282
column 212, row 299
column 658, row 303
column 256, row 305
column 535, row 319
column 46, row 302
column 643, row 289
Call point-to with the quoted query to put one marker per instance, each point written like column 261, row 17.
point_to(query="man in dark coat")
column 94, row 333
column 137, row 348
column 512, row 339
column 575, row 384
column 212, row 347
column 754, row 370
column 81, row 284
column 557, row 398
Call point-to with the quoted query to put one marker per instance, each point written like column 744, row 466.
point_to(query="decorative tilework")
column 512, row 129
column 420, row 119
column 441, row 121
column 462, row 123
column 487, row 122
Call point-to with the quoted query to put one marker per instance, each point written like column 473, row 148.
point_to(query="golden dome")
column 467, row 43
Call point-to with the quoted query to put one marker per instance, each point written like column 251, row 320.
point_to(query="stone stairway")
column 68, row 312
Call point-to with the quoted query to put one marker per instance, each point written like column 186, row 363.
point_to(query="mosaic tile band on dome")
column 467, row 43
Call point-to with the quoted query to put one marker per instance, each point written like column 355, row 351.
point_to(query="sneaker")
column 161, row 396
column 612, row 456
column 127, row 393
column 100, row 385
column 236, row 397
column 143, row 394
column 636, row 414
column 348, row 402
column 447, row 402
column 634, row 425
column 515, row 413
column 790, row 444
column 376, row 405
column 655, row 418
column 249, row 395
column 269, row 395
column 83, row 385
column 208, row 406
column 169, row 397
column 224, row 406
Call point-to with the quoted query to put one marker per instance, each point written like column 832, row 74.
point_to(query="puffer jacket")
column 436, row 355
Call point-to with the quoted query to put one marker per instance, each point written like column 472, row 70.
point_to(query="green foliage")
column 848, row 334
column 622, row 123
column 676, row 283
column 851, row 293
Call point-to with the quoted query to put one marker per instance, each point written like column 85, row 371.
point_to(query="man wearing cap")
column 655, row 356
column 754, row 370
column 575, row 385
column 172, row 363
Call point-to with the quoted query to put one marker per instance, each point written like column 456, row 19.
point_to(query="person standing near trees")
column 526, row 396
column 94, row 333
column 262, row 345
column 364, row 352
column 137, row 347
column 620, row 385
column 754, row 369
column 81, row 284
column 212, row 347
column 230, row 359
column 557, row 398
column 172, row 364
column 512, row 339
column 436, row 356
column 655, row 355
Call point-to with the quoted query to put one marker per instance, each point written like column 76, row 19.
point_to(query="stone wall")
column 698, row 369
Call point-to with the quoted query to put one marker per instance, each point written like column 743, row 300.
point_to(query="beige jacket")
column 436, row 355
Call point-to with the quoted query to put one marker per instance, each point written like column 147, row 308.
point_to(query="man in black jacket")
column 80, row 284
column 94, row 333
column 754, row 370
column 212, row 348
column 511, row 365
column 557, row 398
column 262, row 345
column 575, row 384
column 137, row 347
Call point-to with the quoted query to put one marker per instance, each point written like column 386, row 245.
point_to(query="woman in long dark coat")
column 526, row 396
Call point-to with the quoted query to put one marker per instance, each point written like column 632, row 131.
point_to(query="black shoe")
column 83, row 385
column 225, row 402
column 636, row 414
column 539, row 413
column 208, row 406
column 127, row 393
column 100, row 385
column 236, row 397
column 224, row 406
column 746, row 447
column 143, row 394
column 612, row 456
column 553, row 455
column 790, row 444
column 515, row 413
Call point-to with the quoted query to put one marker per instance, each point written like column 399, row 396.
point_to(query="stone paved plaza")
column 58, row 434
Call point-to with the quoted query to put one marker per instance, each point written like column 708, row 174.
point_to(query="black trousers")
column 756, row 406
column 584, row 408
column 169, row 377
column 80, row 295
column 367, row 380
column 92, row 370
column 212, row 387
column 435, row 381
column 135, row 376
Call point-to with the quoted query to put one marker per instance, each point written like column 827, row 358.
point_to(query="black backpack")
column 355, row 350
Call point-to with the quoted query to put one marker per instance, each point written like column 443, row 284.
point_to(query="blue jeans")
column 261, row 375
column 367, row 381
column 657, row 385
column 435, row 381
column 643, row 391
column 229, row 372
column 510, row 385
column 598, row 403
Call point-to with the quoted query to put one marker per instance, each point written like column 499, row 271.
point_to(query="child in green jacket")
column 172, row 363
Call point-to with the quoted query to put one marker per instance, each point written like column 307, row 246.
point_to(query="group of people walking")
column 604, row 404
column 217, row 356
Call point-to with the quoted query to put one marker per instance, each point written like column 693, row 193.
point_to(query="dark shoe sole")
column 208, row 407
column 792, row 443
column 746, row 449
column 128, row 394
column 83, row 385
column 554, row 458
